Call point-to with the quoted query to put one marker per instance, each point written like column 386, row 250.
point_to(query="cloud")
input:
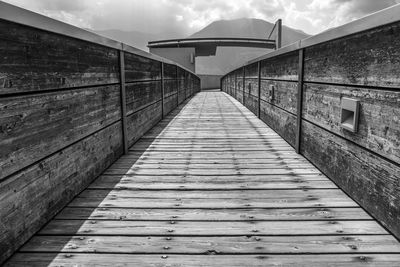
column 184, row 17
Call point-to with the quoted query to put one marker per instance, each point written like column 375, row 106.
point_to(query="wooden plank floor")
column 211, row 185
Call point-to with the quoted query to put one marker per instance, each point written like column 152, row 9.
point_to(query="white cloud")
column 184, row 17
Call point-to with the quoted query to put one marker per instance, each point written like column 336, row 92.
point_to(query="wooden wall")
column 363, row 66
column 61, row 119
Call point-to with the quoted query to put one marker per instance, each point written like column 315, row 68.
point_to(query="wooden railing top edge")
column 380, row 18
column 29, row 18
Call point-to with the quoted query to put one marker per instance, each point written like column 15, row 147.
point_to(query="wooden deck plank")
column 211, row 185
column 95, row 259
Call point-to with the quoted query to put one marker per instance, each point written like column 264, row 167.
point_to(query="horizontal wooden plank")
column 378, row 128
column 33, row 60
column 70, row 259
column 141, row 94
column 184, row 228
column 368, row 178
column 139, row 68
column 33, row 196
column 60, row 118
column 366, row 58
column 221, row 245
column 279, row 120
column 242, row 214
column 140, row 122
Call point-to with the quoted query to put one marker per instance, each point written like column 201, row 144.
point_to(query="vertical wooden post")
column 279, row 34
column 123, row 102
column 177, row 85
column 235, row 85
column 243, row 86
column 162, row 90
column 299, row 99
column 259, row 90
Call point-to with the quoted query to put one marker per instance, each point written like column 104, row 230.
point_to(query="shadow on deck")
column 211, row 184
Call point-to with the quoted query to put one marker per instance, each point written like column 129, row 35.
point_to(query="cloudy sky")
column 185, row 17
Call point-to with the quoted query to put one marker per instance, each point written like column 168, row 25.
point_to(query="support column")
column 299, row 98
column 123, row 102
column 259, row 90
column 162, row 90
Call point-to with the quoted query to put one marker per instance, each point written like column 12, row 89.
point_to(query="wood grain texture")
column 73, row 259
column 170, row 103
column 35, row 60
column 60, row 118
column 143, row 120
column 282, row 67
column 170, row 87
column 169, row 71
column 251, row 102
column 139, row 68
column 281, row 121
column 213, row 183
column 285, row 94
column 141, row 94
column 379, row 121
column 369, row 179
column 33, row 196
column 370, row 58
column 252, row 71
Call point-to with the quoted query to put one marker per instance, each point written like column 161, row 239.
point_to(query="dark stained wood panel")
column 35, row 60
column 281, row 121
column 143, row 120
column 60, row 118
column 170, row 103
column 34, row 195
column 284, row 96
column 170, row 87
column 211, row 185
column 138, row 68
column 378, row 128
column 368, row 58
column 369, row 179
column 282, row 67
column 141, row 94
column 170, row 71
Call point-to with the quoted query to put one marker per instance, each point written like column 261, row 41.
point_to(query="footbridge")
column 111, row 156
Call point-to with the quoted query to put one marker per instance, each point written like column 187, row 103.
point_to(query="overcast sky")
column 188, row 16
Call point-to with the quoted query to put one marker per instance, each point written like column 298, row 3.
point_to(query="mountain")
column 229, row 57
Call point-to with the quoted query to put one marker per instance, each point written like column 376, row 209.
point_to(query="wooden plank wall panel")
column 378, row 128
column 169, row 71
column 181, row 91
column 34, row 60
column 33, row 196
column 141, row 94
column 142, row 121
column 282, row 67
column 139, row 68
column 170, row 103
column 170, row 88
column 368, row 58
column 281, row 121
column 60, row 118
column 371, row 180
column 285, row 94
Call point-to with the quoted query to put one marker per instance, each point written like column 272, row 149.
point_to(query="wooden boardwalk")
column 211, row 185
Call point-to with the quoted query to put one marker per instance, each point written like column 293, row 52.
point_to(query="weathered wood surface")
column 368, row 58
column 285, row 94
column 379, row 121
column 170, row 71
column 371, row 180
column 60, row 118
column 283, row 67
column 173, row 195
column 143, row 120
column 138, row 68
column 140, row 94
column 33, row 196
column 35, row 60
column 258, row 260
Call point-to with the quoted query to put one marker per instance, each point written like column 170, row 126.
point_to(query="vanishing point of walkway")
column 211, row 185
